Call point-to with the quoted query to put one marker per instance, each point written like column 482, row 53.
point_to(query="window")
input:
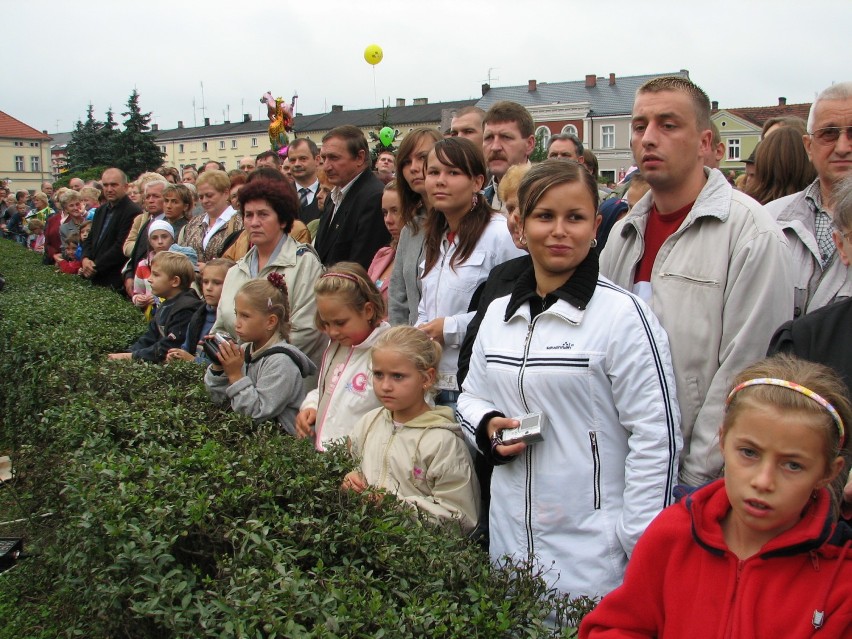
column 163, row 149
column 35, row 163
column 569, row 128
column 19, row 143
column 233, row 144
column 180, row 148
column 254, row 142
column 543, row 133
column 733, row 148
column 221, row 145
column 34, row 144
column 19, row 162
column 608, row 136
column 204, row 146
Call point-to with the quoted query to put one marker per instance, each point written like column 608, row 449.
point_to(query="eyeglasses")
column 830, row 134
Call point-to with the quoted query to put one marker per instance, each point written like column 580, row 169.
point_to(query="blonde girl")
column 349, row 310
column 264, row 378
column 406, row 447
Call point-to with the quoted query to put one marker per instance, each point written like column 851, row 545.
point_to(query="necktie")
column 489, row 193
column 303, row 196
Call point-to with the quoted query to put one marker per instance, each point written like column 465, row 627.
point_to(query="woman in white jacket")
column 595, row 362
column 464, row 239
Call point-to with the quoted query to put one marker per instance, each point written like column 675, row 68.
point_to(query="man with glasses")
column 807, row 217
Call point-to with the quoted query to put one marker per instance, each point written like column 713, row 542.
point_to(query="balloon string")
column 375, row 93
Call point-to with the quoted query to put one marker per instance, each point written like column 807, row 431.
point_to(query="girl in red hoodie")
column 758, row 553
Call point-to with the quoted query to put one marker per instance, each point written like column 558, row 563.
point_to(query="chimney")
column 336, row 108
column 782, row 101
column 485, row 88
column 400, row 102
column 714, row 105
column 246, row 117
column 591, row 81
column 155, row 127
column 44, row 131
column 532, row 86
column 226, row 122
column 206, row 121
column 180, row 124
column 612, row 79
column 421, row 101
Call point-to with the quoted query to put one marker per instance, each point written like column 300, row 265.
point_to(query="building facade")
column 24, row 154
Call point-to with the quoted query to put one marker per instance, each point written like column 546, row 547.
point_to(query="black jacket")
column 168, row 327
column 821, row 336
column 357, row 231
column 106, row 249
column 310, row 212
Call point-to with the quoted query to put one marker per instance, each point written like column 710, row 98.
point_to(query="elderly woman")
column 591, row 362
column 209, row 234
column 269, row 209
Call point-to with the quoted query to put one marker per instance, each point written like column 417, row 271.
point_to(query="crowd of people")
column 644, row 387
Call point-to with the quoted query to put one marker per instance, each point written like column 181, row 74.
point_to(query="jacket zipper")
column 596, row 472
column 385, row 457
column 528, row 452
column 318, row 426
column 729, row 626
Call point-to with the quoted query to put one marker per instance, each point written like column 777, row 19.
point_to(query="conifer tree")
column 136, row 149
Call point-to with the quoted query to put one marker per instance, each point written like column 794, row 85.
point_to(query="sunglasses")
column 830, row 134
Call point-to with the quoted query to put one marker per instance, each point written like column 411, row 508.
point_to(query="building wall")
column 736, row 132
column 609, row 139
column 28, row 149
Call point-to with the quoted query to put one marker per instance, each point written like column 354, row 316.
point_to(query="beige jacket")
column 300, row 266
column 721, row 285
column 425, row 463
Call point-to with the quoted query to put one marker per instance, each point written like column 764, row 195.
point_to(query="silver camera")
column 530, row 431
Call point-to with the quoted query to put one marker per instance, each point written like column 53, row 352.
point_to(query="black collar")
column 577, row 291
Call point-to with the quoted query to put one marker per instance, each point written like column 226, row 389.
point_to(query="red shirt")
column 659, row 228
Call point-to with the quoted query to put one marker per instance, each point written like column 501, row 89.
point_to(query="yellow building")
column 228, row 142
column 24, row 155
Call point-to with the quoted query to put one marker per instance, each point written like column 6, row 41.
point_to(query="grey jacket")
column 814, row 287
column 404, row 291
column 273, row 386
column 721, row 285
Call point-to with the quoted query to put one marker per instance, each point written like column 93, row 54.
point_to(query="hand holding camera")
column 511, row 435
column 224, row 351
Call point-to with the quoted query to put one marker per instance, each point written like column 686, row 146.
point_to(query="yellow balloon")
column 373, row 54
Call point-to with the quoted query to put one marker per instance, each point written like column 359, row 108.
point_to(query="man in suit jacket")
column 303, row 155
column 103, row 254
column 351, row 228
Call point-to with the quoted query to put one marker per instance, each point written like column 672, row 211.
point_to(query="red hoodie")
column 683, row 582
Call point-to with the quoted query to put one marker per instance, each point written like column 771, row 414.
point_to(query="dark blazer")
column 107, row 252
column 357, row 230
column 310, row 212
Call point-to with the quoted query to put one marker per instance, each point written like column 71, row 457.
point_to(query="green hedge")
column 173, row 518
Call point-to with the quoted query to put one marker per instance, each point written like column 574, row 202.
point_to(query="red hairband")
column 345, row 276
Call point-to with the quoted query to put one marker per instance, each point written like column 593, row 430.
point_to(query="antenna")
column 194, row 120
column 203, row 104
column 57, row 125
column 490, row 77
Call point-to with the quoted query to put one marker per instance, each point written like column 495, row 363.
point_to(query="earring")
column 594, row 242
column 524, row 240
column 474, row 201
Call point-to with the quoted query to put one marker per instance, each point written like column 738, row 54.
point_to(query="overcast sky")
column 741, row 52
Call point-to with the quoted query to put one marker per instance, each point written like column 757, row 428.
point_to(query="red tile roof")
column 759, row 115
column 13, row 128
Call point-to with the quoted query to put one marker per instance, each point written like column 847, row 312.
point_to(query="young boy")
column 171, row 278
column 201, row 323
column 67, row 261
column 161, row 236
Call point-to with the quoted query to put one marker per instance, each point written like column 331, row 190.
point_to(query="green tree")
column 84, row 148
column 136, row 149
column 540, row 151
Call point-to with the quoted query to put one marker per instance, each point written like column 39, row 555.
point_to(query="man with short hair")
column 807, row 217
column 303, row 155
column 247, row 164
column 385, row 166
column 268, row 158
column 467, row 123
column 76, row 184
column 716, row 150
column 103, row 256
column 565, row 146
column 351, row 228
column 508, row 139
column 213, row 165
column 709, row 261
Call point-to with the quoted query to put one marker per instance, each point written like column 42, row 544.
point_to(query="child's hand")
column 434, row 329
column 175, row 354
column 116, row 356
column 305, row 421
column 354, row 481
column 231, row 357
column 141, row 300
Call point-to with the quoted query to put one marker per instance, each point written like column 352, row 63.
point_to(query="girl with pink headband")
column 759, row 553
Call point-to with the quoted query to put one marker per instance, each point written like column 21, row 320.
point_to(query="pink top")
column 383, row 258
